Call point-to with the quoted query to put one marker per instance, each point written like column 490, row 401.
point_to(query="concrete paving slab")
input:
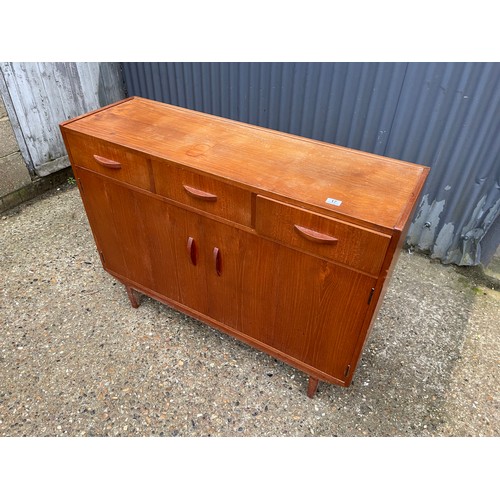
column 13, row 174
column 77, row 360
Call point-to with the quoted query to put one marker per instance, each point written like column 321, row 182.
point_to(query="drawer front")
column 202, row 192
column 110, row 160
column 334, row 240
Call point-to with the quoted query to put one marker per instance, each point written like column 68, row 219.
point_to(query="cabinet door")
column 224, row 258
column 133, row 233
column 189, row 247
column 207, row 255
column 306, row 307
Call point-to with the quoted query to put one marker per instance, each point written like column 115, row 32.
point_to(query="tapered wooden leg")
column 312, row 387
column 132, row 295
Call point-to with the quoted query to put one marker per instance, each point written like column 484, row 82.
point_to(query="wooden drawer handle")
column 191, row 248
column 201, row 195
column 217, row 261
column 311, row 235
column 107, row 163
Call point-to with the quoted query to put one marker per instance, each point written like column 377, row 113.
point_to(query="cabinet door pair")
column 306, row 307
column 165, row 249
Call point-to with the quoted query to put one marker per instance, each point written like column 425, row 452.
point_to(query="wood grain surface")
column 373, row 189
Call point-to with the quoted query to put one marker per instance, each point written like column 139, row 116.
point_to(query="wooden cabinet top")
column 372, row 190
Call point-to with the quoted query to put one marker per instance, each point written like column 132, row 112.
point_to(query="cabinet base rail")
column 134, row 294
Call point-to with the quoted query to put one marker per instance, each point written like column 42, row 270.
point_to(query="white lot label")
column 333, row 201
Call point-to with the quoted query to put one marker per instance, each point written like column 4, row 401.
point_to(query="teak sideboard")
column 284, row 242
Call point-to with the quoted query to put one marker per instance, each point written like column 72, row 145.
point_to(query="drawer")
column 203, row 192
column 331, row 239
column 110, row 160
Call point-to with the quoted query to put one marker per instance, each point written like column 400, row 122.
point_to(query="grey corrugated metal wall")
column 444, row 115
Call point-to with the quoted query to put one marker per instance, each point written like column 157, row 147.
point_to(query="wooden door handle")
column 201, row 195
column 217, row 261
column 191, row 248
column 311, row 235
column 107, row 163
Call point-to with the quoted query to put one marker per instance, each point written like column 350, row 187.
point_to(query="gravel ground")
column 77, row 360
